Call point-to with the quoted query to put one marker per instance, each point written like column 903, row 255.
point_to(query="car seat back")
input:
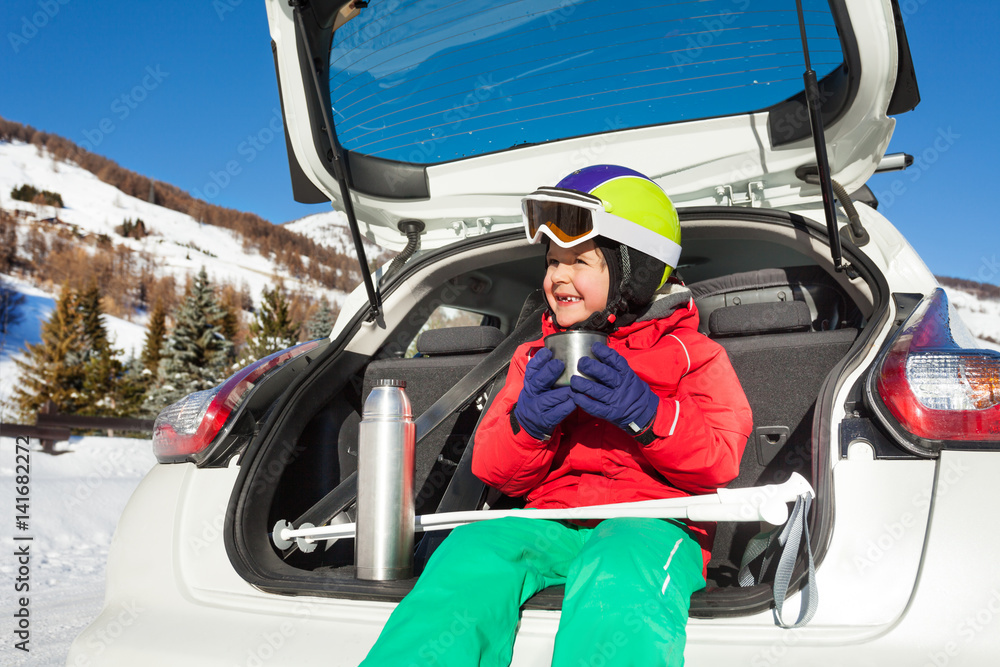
column 782, row 348
column 773, row 294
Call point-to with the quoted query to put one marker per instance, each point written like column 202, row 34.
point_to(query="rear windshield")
column 434, row 81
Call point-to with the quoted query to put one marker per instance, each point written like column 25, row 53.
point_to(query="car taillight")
column 189, row 426
column 934, row 382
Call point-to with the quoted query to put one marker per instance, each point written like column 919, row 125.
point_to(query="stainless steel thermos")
column 383, row 547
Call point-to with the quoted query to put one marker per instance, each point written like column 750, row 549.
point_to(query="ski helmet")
column 628, row 216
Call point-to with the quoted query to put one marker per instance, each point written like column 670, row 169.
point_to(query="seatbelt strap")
column 785, row 541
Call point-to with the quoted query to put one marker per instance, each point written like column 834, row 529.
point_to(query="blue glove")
column 616, row 393
column 540, row 408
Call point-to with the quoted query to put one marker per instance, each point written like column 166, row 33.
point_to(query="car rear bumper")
column 174, row 598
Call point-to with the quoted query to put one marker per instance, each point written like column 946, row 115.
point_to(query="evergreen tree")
column 196, row 355
column 271, row 329
column 321, row 323
column 108, row 389
column 229, row 327
column 88, row 303
column 54, row 368
column 156, row 334
column 11, row 302
column 8, row 241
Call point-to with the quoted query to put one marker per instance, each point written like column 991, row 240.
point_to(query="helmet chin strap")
column 603, row 321
column 614, row 314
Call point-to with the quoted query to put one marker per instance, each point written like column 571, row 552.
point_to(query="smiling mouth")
column 568, row 300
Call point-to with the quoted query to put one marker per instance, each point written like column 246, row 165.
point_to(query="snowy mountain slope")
column 179, row 243
column 328, row 229
column 982, row 316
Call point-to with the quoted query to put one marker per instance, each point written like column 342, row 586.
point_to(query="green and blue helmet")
column 628, row 216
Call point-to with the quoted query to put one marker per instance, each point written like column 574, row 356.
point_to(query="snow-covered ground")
column 76, row 498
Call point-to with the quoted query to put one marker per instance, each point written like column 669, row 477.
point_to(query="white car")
column 429, row 122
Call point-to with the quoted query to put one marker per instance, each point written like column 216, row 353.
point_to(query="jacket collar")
column 671, row 308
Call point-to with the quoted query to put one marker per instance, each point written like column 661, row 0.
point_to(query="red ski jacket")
column 701, row 426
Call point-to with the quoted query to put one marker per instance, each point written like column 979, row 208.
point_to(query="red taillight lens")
column 190, row 425
column 935, row 388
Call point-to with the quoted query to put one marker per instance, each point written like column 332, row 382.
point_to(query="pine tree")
column 88, row 303
column 195, row 356
column 321, row 323
column 229, row 326
column 8, row 241
column 108, row 389
column 271, row 329
column 11, row 302
column 53, row 369
column 156, row 334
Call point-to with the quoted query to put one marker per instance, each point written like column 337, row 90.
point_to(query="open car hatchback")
column 427, row 122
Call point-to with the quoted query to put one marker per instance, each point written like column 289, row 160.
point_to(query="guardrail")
column 51, row 428
column 101, row 423
column 43, row 433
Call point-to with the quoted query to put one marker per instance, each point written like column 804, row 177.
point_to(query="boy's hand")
column 616, row 393
column 540, row 408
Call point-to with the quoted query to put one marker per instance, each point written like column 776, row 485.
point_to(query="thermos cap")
column 389, row 382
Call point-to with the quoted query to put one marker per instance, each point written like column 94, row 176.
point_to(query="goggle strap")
column 638, row 237
column 568, row 196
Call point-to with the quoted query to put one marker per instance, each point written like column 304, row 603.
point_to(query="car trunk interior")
column 766, row 292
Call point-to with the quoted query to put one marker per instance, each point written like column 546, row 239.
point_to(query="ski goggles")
column 570, row 218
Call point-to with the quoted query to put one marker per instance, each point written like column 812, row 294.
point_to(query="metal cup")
column 571, row 346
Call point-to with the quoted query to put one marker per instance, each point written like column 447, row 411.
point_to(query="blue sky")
column 175, row 91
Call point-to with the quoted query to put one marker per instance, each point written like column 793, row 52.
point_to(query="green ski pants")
column 628, row 588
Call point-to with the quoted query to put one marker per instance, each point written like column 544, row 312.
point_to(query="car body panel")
column 939, row 626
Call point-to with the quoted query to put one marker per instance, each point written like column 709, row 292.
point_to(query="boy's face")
column 576, row 282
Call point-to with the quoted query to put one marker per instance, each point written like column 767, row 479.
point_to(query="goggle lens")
column 569, row 223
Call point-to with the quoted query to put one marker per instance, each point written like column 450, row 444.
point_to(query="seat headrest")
column 810, row 285
column 458, row 340
column 760, row 318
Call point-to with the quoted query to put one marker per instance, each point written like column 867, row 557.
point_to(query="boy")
column 662, row 415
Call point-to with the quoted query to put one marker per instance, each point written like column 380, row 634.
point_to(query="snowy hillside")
column 329, row 229
column 982, row 316
column 177, row 246
column 178, row 243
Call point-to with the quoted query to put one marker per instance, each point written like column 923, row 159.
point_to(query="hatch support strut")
column 813, row 102
column 340, row 170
